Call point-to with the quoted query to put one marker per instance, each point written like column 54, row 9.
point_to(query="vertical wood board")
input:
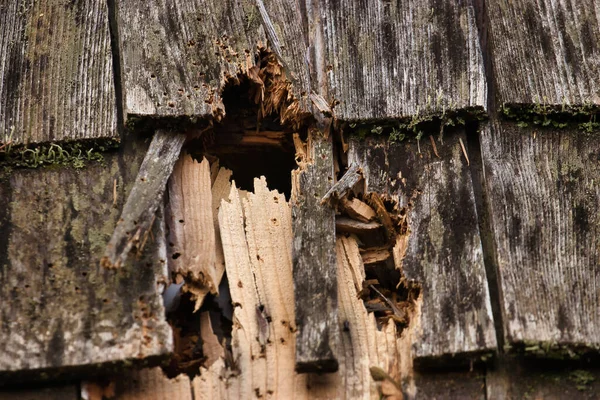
column 176, row 56
column 60, row 309
column 396, row 59
column 444, row 253
column 314, row 260
column 544, row 196
column 545, row 51
column 56, row 72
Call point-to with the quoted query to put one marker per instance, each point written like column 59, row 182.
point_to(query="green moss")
column 73, row 154
column 582, row 379
column 414, row 127
column 581, row 117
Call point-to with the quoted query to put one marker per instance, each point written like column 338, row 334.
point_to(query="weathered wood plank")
column 60, row 310
column 545, row 51
column 56, row 72
column 452, row 386
column 138, row 212
column 544, row 199
column 515, row 379
column 313, row 253
column 443, row 253
column 396, row 59
column 68, row 392
column 176, row 56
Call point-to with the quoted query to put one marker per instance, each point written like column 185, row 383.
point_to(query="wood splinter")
column 145, row 196
column 342, row 187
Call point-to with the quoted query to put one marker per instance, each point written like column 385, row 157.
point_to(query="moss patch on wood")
column 415, row 126
column 582, row 117
column 73, row 154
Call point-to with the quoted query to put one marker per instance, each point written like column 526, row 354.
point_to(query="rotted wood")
column 545, row 52
column 397, row 59
column 147, row 193
column 56, row 77
column 443, row 251
column 314, row 260
column 544, row 205
column 177, row 56
column 61, row 313
column 352, row 177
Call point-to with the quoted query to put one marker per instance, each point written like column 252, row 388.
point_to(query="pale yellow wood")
column 357, row 209
column 191, row 227
column 256, row 236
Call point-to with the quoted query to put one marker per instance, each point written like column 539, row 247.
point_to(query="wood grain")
column 151, row 383
column 56, row 72
column 177, row 56
column 189, row 217
column 313, row 253
column 544, row 198
column 60, row 310
column 146, row 195
column 443, row 253
column 259, row 267
column 396, row 59
column 545, row 51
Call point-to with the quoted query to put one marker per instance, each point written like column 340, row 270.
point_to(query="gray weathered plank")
column 60, row 309
column 545, row 51
column 544, row 201
column 517, row 379
column 176, row 56
column 444, row 253
column 56, row 77
column 396, row 59
column 314, row 261
column 146, row 195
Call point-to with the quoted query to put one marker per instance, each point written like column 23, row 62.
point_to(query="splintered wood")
column 146, row 194
column 442, row 250
column 195, row 251
column 256, row 232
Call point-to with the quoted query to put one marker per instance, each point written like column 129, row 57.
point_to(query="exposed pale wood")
column 313, row 253
column 352, row 177
column 192, row 243
column 357, row 209
column 396, row 59
column 68, row 392
column 59, row 309
column 211, row 348
column 443, row 250
column 145, row 196
column 257, row 252
column 152, row 384
column 375, row 255
column 545, row 51
column 56, row 73
column 544, row 201
column 259, row 269
column 176, row 56
column 343, row 224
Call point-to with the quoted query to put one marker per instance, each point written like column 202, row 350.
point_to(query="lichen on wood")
column 61, row 313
